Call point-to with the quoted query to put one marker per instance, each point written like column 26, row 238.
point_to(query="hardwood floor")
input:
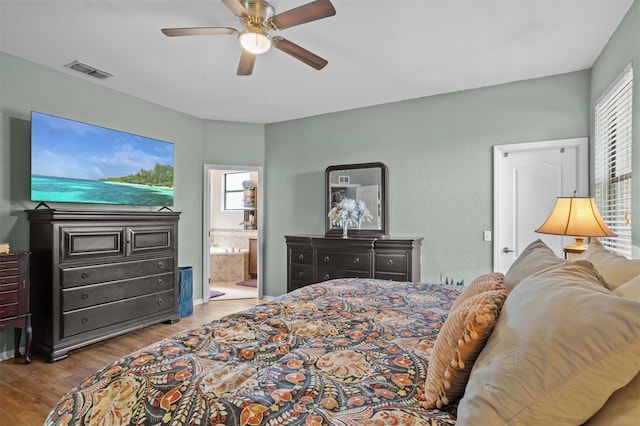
column 29, row 391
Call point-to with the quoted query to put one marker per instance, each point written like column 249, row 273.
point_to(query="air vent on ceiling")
column 89, row 70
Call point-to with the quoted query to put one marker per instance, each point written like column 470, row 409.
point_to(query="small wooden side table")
column 14, row 299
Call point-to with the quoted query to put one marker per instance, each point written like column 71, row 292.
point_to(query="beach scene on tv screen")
column 80, row 163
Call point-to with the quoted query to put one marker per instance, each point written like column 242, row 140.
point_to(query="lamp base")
column 574, row 250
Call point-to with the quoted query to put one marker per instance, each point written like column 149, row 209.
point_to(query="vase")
column 345, row 228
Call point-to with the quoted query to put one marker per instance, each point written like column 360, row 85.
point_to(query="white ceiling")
column 379, row 51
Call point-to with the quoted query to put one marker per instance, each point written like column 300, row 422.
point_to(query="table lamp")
column 577, row 217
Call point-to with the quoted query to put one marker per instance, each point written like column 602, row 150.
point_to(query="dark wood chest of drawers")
column 14, row 297
column 314, row 258
column 97, row 274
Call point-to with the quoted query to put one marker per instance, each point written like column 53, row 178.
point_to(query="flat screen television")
column 75, row 162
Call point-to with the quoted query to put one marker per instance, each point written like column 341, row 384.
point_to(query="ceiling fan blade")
column 196, row 31
column 236, row 8
column 247, row 59
column 300, row 53
column 306, row 13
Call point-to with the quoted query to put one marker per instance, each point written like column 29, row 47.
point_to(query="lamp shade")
column 576, row 216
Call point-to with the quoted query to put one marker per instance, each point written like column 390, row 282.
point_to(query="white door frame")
column 582, row 147
column 206, row 220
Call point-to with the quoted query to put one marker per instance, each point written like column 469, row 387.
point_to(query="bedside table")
column 14, row 299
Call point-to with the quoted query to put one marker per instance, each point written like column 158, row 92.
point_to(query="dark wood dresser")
column 315, row 258
column 14, row 299
column 97, row 274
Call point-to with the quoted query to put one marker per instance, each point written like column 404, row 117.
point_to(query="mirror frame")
column 355, row 233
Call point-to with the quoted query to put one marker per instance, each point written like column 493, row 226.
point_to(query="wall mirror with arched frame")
column 366, row 182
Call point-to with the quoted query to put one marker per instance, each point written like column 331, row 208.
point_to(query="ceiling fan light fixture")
column 255, row 42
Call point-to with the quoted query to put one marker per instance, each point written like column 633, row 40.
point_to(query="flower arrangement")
column 349, row 212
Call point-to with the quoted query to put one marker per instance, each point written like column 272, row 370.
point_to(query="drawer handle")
column 327, row 259
column 84, row 296
column 301, row 257
column 390, row 262
column 85, row 275
column 356, row 260
column 160, row 302
column 160, row 265
column 300, row 274
column 85, row 320
column 160, row 282
column 326, row 276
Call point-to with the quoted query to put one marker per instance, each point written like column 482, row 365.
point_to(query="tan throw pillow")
column 562, row 345
column 491, row 281
column 615, row 269
column 630, row 289
column 458, row 344
column 536, row 257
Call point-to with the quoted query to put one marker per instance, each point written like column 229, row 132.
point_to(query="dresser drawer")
column 11, row 283
column 8, row 297
column 325, row 274
column 83, row 320
column 8, row 310
column 95, row 294
column 352, row 261
column 301, row 273
column 9, row 269
column 304, row 257
column 391, row 263
column 79, row 276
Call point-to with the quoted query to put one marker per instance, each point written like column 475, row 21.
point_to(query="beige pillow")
column 615, row 269
column 629, row 290
column 458, row 344
column 562, row 345
column 536, row 257
column 491, row 281
column 622, row 409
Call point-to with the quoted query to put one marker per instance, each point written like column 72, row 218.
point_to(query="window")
column 233, row 190
column 613, row 161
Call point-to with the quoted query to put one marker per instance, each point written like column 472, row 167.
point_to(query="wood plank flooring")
column 29, row 392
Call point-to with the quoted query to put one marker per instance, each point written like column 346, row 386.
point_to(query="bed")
column 374, row 352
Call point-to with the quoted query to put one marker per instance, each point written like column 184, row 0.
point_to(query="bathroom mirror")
column 366, row 182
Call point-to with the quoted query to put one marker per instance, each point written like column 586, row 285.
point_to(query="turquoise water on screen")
column 56, row 189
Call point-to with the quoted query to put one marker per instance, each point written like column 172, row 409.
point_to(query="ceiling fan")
column 258, row 18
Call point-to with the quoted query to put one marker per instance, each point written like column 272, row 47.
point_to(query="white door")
column 527, row 179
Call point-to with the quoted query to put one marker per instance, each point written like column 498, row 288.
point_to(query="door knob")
column 507, row 250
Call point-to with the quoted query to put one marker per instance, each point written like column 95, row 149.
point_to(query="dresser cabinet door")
column 149, row 240
column 85, row 242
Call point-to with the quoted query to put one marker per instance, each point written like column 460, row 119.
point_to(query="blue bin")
column 185, row 297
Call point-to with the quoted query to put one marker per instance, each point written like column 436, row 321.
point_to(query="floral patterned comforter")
column 342, row 352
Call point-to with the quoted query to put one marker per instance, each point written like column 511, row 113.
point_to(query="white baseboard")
column 9, row 354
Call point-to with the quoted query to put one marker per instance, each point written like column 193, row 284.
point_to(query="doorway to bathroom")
column 233, row 234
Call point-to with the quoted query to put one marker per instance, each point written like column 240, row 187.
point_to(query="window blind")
column 613, row 161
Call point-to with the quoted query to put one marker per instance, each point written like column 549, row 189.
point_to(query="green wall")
column 623, row 47
column 25, row 86
column 438, row 151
